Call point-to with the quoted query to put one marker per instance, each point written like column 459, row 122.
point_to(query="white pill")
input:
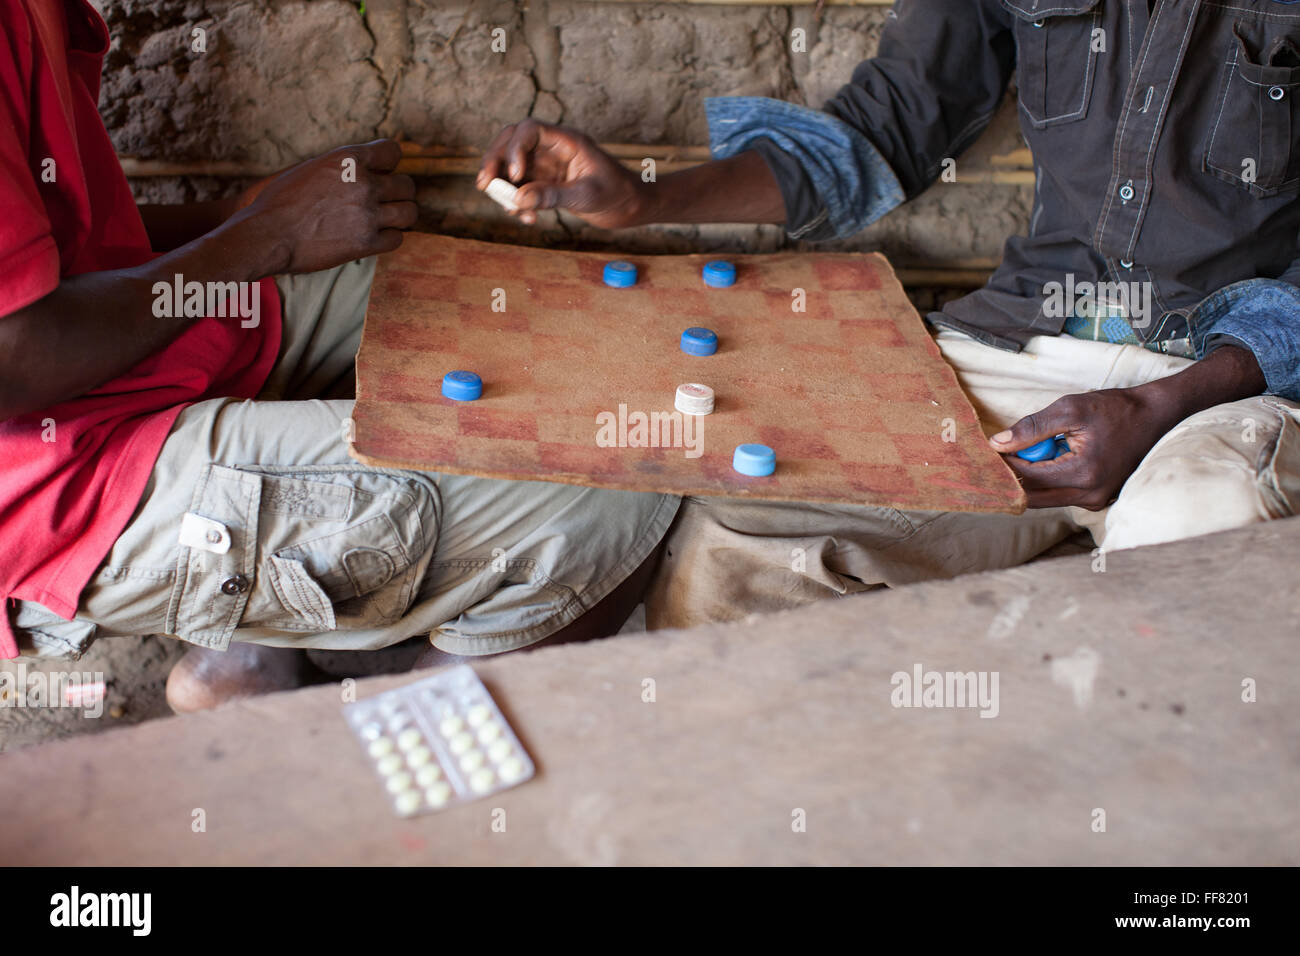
column 499, row 750
column 397, row 723
column 438, row 795
column 450, row 726
column 694, row 399
column 381, row 747
column 489, row 732
column 460, row 743
column 471, row 761
column 481, row 780
column 428, row 775
column 478, row 714
column 371, row 731
column 390, row 764
column 503, row 192
column 399, row 782
column 419, row 756
column 408, row 801
column 409, row 738
column 512, row 770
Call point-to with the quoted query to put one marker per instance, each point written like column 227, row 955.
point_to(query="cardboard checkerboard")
column 852, row 393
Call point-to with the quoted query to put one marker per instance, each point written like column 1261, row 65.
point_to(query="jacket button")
column 235, row 585
column 1038, row 24
column 1126, row 263
column 1276, row 93
column 1126, row 192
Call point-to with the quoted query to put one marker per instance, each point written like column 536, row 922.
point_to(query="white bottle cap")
column 694, row 399
column 503, row 192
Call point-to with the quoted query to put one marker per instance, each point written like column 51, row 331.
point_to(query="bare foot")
column 203, row 678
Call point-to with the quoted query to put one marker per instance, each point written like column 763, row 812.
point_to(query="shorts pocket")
column 306, row 550
column 1056, row 58
column 1252, row 141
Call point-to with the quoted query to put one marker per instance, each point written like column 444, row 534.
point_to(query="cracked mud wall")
column 285, row 79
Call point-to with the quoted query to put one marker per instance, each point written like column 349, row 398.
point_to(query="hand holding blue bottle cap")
column 1045, row 450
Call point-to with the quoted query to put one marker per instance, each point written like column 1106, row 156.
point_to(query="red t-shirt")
column 64, row 502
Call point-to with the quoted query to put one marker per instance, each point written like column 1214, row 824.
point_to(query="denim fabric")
column 835, row 165
column 1259, row 315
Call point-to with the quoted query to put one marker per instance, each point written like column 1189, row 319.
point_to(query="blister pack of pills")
column 439, row 742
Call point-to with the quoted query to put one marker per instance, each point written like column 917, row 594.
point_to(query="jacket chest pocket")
column 1252, row 142
column 1057, row 42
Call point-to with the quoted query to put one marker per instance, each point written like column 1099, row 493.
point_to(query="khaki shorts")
column 257, row 526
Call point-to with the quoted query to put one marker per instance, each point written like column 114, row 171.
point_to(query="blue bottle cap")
column 1044, row 450
column 719, row 274
column 620, row 274
column 757, row 461
column 698, row 341
column 462, row 386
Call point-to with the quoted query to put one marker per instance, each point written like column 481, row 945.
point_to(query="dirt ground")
column 134, row 670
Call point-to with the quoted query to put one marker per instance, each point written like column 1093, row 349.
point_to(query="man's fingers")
column 396, row 188
column 576, row 196
column 518, row 151
column 532, row 197
column 386, row 240
column 534, row 141
column 398, row 215
column 1050, row 484
column 1051, row 473
column 494, row 158
column 382, row 155
column 1072, row 479
column 1055, row 419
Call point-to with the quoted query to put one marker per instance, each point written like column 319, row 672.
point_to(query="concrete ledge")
column 1120, row 691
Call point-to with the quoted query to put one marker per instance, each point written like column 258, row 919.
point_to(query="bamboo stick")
column 1012, row 169
column 943, row 278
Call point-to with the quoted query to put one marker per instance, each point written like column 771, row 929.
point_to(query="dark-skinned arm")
column 563, row 168
column 97, row 326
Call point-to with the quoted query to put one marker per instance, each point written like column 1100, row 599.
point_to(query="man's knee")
column 1225, row 467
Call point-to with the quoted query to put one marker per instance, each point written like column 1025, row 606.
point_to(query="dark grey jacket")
column 1166, row 145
